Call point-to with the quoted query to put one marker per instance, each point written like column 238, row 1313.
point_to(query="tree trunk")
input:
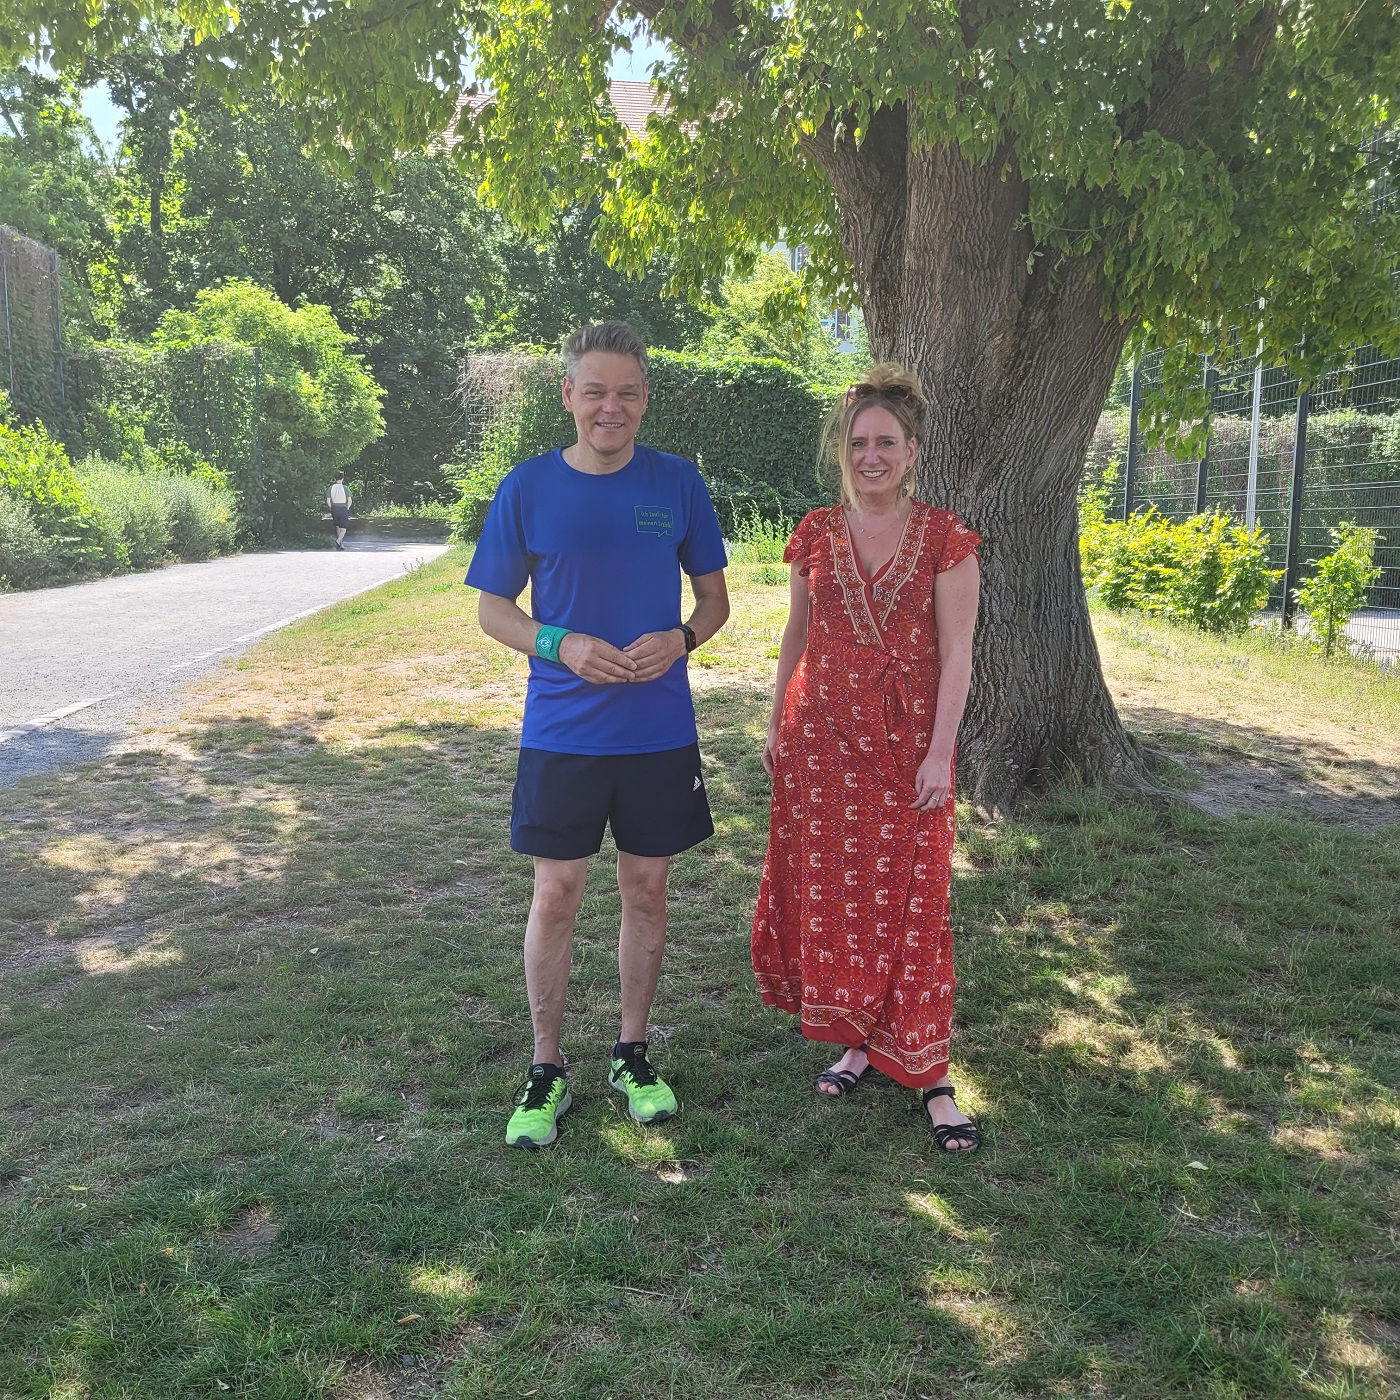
column 1016, row 357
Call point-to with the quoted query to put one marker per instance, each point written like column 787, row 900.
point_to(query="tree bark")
column 1016, row 357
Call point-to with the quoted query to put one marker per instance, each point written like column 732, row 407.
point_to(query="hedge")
column 181, row 409
column 751, row 425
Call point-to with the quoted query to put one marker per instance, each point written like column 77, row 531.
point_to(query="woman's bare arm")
column 955, row 593
column 790, row 651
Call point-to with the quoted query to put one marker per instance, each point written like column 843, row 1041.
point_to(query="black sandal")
column 944, row 1133
column 842, row 1080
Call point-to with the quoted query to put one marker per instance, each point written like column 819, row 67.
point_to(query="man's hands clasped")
column 593, row 659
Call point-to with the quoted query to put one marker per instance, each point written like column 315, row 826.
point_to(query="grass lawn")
column 261, row 1013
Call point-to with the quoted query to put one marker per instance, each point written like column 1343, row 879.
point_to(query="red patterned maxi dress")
column 851, row 929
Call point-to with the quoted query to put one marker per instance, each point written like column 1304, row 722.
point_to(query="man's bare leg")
column 549, row 944
column 641, row 880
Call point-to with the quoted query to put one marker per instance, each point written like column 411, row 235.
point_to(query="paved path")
column 79, row 665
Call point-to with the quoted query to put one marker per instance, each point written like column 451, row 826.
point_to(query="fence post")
column 1251, row 486
column 1130, row 470
column 9, row 333
column 261, row 501
column 1295, row 508
column 1203, row 466
column 56, row 302
column 464, row 396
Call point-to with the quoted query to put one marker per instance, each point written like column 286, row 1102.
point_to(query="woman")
column 851, row 930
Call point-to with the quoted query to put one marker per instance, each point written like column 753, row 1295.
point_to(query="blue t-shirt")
column 603, row 555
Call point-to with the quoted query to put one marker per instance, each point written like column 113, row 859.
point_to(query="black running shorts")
column 655, row 803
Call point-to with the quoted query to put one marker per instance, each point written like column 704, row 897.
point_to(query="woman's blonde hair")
column 888, row 385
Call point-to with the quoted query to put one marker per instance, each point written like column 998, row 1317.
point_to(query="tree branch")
column 9, row 119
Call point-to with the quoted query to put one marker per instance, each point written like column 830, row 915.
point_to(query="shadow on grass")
column 263, row 1013
column 1241, row 769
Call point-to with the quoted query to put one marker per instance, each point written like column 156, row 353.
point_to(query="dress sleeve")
column 958, row 543
column 804, row 539
column 800, row 545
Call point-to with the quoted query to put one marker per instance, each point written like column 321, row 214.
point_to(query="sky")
column 106, row 117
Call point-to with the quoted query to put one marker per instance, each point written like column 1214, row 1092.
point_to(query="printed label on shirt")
column 655, row 520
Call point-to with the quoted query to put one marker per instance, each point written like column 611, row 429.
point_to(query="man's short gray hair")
column 612, row 337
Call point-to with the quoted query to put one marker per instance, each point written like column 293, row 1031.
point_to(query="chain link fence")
column 31, row 326
column 185, row 404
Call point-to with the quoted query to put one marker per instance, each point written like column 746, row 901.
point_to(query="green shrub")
column 1222, row 573
column 138, row 506
column 1205, row 570
column 84, row 539
column 202, row 516
column 26, row 553
column 320, row 406
column 1339, row 583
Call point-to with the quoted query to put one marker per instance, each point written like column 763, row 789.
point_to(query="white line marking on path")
column 53, row 717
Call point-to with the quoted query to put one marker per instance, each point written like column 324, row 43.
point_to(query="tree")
column 152, row 78
column 1011, row 190
column 320, row 408
column 1339, row 583
column 414, row 265
column 748, row 321
column 53, row 182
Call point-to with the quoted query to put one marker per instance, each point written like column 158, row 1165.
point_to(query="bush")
column 1340, row 583
column 320, row 406
column 83, row 538
column 26, row 553
column 202, row 517
column 137, row 505
column 1205, row 570
column 162, row 514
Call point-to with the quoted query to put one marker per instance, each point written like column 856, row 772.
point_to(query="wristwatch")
column 690, row 642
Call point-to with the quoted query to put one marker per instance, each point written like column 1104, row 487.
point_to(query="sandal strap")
column 940, row 1091
column 962, row 1132
column 845, row 1079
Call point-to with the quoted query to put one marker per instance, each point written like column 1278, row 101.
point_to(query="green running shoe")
column 542, row 1100
column 649, row 1097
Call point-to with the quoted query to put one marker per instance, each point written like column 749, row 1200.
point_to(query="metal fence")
column 31, row 325
column 1297, row 465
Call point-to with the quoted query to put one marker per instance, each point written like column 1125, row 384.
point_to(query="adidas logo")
column 696, row 788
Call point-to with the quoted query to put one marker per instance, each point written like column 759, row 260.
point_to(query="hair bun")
column 887, row 376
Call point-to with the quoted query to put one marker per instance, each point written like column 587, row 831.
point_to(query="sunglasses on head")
column 865, row 391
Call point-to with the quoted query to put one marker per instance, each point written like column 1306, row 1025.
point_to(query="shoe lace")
column 535, row 1091
column 639, row 1070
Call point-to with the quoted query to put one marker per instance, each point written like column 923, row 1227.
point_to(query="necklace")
column 882, row 527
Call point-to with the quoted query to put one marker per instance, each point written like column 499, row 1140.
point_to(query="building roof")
column 633, row 102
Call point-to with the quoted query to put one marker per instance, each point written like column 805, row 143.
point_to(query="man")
column 601, row 531
column 338, row 499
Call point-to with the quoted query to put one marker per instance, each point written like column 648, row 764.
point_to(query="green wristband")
column 547, row 641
